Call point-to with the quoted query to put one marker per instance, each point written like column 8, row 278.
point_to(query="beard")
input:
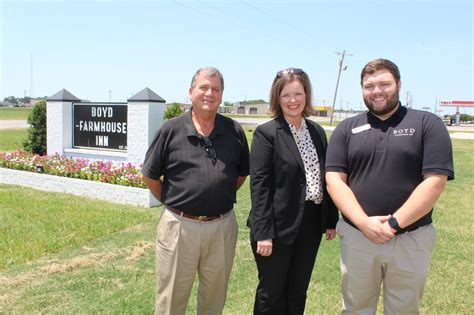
column 392, row 102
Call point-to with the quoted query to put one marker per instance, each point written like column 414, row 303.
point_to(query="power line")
column 295, row 28
column 226, row 19
column 216, row 12
column 254, row 7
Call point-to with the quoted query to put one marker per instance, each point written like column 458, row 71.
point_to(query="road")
column 13, row 124
column 457, row 132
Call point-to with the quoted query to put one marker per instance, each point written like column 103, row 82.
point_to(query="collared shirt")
column 192, row 182
column 385, row 160
column 314, row 189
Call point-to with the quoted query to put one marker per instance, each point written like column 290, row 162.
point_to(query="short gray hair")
column 212, row 72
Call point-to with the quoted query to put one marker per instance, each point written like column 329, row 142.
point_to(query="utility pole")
column 32, row 88
column 341, row 68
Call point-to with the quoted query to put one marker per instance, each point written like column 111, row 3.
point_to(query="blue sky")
column 93, row 47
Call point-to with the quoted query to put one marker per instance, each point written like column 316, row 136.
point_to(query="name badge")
column 361, row 128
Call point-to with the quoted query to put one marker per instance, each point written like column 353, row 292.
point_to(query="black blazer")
column 278, row 183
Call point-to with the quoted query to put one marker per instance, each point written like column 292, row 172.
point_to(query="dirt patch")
column 77, row 262
column 139, row 250
column 136, row 228
column 87, row 249
column 13, row 288
column 118, row 283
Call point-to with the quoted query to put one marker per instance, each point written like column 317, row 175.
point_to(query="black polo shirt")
column 191, row 182
column 386, row 160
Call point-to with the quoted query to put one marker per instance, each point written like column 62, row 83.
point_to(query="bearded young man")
column 385, row 170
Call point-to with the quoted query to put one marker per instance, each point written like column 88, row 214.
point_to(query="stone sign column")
column 59, row 122
column 145, row 117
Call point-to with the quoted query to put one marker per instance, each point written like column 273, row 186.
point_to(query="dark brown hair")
column 380, row 64
column 279, row 83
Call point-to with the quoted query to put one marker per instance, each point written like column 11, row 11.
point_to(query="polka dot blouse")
column 314, row 188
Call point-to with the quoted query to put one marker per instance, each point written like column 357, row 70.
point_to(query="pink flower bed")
column 125, row 174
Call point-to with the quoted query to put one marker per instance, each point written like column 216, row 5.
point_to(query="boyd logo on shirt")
column 404, row 132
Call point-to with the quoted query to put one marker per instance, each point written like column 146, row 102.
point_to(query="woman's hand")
column 264, row 248
column 330, row 234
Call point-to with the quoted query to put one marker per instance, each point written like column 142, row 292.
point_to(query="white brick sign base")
column 80, row 187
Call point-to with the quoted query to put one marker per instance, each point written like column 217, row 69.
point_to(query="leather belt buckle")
column 201, row 218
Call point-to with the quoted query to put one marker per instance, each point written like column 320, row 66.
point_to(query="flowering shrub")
column 125, row 174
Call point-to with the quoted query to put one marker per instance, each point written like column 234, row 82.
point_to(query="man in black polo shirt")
column 195, row 166
column 385, row 169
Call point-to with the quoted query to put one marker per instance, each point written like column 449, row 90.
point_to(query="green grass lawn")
column 14, row 113
column 44, row 223
column 60, row 253
column 97, row 257
column 12, row 139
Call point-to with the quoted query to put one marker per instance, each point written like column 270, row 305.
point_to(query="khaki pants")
column 401, row 265
column 186, row 246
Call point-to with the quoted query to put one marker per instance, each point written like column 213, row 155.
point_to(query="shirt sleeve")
column 437, row 149
column 336, row 155
column 154, row 158
column 244, row 154
column 261, row 221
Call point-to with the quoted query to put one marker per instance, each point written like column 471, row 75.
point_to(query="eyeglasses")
column 211, row 153
column 288, row 71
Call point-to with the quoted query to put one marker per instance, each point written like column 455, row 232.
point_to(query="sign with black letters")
column 100, row 126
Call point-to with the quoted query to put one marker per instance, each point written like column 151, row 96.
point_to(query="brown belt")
column 201, row 218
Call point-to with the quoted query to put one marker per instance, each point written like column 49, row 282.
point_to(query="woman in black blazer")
column 290, row 205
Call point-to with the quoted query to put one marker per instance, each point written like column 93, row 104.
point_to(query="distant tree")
column 228, row 104
column 464, row 117
column 173, row 110
column 250, row 102
column 36, row 141
column 24, row 100
column 11, row 100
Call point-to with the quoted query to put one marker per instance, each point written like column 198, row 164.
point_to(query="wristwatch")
column 394, row 223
